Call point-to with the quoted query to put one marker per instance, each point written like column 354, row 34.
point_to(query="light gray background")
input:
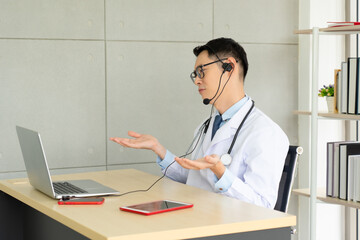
column 82, row 71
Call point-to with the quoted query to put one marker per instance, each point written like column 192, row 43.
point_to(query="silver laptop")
column 39, row 175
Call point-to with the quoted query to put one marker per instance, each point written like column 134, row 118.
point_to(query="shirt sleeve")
column 171, row 168
column 224, row 183
column 168, row 159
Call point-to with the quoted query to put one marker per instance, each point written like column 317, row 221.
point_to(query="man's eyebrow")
column 198, row 66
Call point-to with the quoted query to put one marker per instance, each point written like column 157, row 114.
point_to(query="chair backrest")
column 287, row 178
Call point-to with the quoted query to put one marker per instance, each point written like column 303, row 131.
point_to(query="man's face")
column 209, row 84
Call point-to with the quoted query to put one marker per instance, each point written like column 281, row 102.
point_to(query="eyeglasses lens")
column 199, row 72
column 193, row 76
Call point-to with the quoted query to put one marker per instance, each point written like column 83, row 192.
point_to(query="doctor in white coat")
column 257, row 146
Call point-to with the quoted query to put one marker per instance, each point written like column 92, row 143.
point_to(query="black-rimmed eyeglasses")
column 199, row 70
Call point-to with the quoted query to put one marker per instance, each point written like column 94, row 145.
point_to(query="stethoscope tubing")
column 203, row 130
column 240, row 126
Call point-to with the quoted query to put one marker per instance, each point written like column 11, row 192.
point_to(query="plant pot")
column 330, row 104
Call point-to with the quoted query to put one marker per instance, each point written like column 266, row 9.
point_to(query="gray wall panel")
column 58, row 89
column 80, row 19
column 271, row 82
column 150, row 91
column 11, row 175
column 257, row 21
column 76, row 170
column 183, row 20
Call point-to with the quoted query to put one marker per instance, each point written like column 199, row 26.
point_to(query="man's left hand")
column 211, row 161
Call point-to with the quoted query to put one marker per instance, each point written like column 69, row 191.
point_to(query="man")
column 242, row 152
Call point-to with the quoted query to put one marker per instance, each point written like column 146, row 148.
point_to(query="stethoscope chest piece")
column 226, row 159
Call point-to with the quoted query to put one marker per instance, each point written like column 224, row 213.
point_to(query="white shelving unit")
column 315, row 115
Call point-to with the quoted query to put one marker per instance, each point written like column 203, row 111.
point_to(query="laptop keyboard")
column 66, row 188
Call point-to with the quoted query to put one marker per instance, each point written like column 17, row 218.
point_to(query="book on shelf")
column 350, row 178
column 329, row 169
column 336, row 169
column 356, row 173
column 333, row 168
column 353, row 178
column 357, row 91
column 338, row 92
column 342, row 24
column 343, row 88
column 346, row 150
column 352, row 85
column 336, row 89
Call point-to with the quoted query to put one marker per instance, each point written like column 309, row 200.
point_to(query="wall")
column 82, row 71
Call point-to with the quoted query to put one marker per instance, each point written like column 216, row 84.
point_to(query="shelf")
column 321, row 195
column 332, row 30
column 315, row 116
column 331, row 115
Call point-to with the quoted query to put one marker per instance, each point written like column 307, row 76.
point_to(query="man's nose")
column 197, row 80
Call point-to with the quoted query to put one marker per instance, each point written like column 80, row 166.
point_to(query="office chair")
column 287, row 178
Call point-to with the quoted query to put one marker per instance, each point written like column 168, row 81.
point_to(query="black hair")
column 225, row 47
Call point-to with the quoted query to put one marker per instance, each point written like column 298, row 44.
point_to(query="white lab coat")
column 258, row 158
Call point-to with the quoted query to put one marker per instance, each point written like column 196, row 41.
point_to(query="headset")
column 227, row 67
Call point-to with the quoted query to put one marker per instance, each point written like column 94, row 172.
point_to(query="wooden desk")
column 212, row 214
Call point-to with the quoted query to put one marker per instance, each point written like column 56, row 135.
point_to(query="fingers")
column 133, row 143
column 190, row 164
column 213, row 159
column 134, row 134
column 115, row 139
column 139, row 142
column 185, row 163
column 125, row 141
column 121, row 141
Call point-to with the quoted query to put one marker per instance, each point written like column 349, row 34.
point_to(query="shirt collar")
column 228, row 114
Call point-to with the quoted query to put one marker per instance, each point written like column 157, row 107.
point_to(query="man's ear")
column 232, row 63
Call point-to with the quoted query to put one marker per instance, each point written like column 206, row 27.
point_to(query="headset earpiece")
column 227, row 67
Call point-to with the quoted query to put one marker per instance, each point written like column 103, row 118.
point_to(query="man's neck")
column 225, row 104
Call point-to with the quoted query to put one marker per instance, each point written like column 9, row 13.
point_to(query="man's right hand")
column 141, row 141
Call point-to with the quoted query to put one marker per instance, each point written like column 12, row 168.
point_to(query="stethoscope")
column 226, row 157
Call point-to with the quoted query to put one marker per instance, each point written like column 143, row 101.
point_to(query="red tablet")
column 151, row 208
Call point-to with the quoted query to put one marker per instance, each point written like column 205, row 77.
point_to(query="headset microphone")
column 206, row 101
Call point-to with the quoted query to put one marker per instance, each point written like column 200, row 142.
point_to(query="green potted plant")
column 328, row 92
